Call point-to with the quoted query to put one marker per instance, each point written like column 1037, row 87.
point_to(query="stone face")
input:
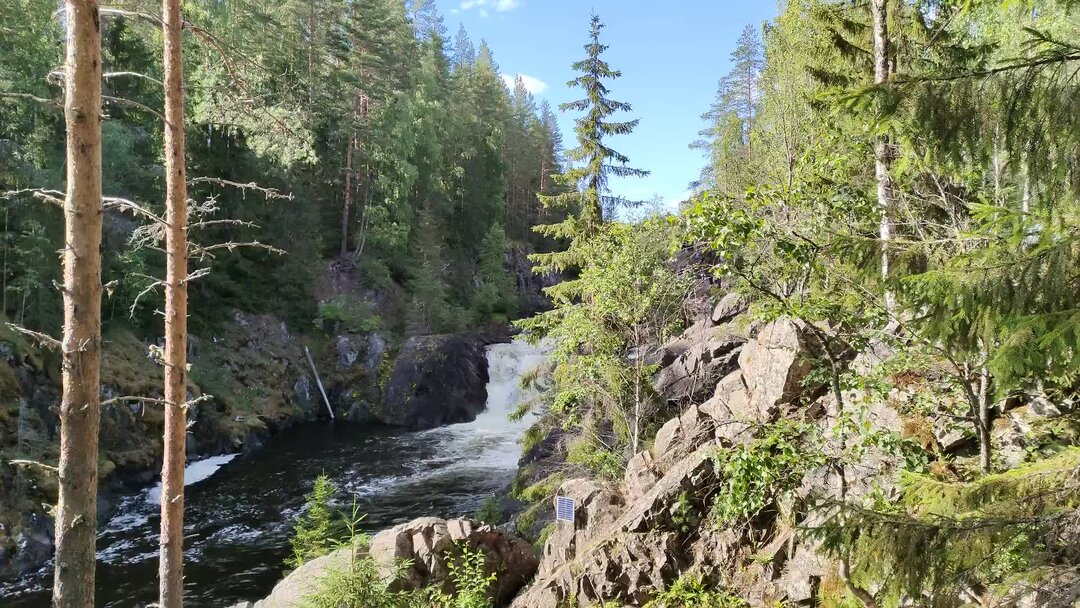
column 774, row 365
column 681, row 436
column 292, row 590
column 729, row 307
column 640, row 475
column 595, row 510
column 704, row 355
column 430, row 544
column 653, row 510
column 436, row 380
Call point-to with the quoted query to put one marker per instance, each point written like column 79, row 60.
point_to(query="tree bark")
column 170, row 566
column 882, row 157
column 984, row 419
column 348, row 199
column 80, row 413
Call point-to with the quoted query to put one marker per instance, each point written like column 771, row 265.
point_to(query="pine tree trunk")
column 170, row 566
column 879, row 13
column 76, row 512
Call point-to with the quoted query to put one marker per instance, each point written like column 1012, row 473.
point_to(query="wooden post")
column 318, row 381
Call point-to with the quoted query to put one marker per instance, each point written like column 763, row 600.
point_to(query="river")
column 240, row 510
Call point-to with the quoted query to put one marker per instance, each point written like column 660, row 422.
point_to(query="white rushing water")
column 492, row 440
column 194, row 472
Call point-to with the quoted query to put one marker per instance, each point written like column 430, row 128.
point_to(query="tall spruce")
column 593, row 161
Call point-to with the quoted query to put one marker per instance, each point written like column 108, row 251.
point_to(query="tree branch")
column 43, row 340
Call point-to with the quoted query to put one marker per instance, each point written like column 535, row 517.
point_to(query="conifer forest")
column 536, row 304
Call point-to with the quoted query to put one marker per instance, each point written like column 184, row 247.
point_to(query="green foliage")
column 343, row 313
column 626, row 298
column 472, row 583
column 315, row 533
column 754, row 476
column 361, row 584
column 490, row 512
column 587, row 200
column 997, row 531
column 598, row 459
column 691, row 591
column 496, row 298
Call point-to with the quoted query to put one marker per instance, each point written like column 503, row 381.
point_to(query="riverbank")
column 238, row 520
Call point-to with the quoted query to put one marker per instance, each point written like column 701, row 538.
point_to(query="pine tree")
column 80, row 408
column 590, row 198
column 728, row 139
column 171, row 564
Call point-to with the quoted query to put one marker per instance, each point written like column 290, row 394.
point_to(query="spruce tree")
column 594, row 161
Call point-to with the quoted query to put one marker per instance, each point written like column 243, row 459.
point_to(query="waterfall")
column 492, row 440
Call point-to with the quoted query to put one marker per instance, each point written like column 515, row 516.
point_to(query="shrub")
column 690, row 591
column 314, row 534
column 489, row 512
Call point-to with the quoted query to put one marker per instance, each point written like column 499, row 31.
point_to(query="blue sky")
column 671, row 54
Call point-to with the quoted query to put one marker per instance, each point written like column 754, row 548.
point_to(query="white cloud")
column 672, row 203
column 532, row 84
column 498, row 5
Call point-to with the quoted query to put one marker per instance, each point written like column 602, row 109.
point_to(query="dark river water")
column 239, row 517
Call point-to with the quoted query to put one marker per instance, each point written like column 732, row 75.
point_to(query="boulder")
column 729, row 307
column 640, row 475
column 364, row 349
column 681, row 436
column 436, row 380
column 654, row 510
column 774, row 364
column 430, row 544
column 595, row 510
column 292, row 590
column 705, row 355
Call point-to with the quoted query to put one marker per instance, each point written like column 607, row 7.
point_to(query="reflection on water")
column 238, row 519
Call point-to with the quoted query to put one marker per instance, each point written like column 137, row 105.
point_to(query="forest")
column 843, row 372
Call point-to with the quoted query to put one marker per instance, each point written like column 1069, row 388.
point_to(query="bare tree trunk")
column 3, row 288
column 348, row 199
column 80, row 406
column 170, row 566
column 984, row 418
column 879, row 13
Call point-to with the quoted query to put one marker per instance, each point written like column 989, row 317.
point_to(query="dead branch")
column 145, row 292
column 34, row 463
column 43, row 340
column 153, row 400
column 49, row 196
column 196, row 274
column 123, row 204
column 269, row 193
column 50, row 103
column 116, row 12
column 109, row 75
column 207, row 223
column 205, row 251
column 135, row 104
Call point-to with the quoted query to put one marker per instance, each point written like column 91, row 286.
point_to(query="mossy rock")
column 10, row 388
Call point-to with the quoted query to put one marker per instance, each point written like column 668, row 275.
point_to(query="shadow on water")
column 238, row 520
